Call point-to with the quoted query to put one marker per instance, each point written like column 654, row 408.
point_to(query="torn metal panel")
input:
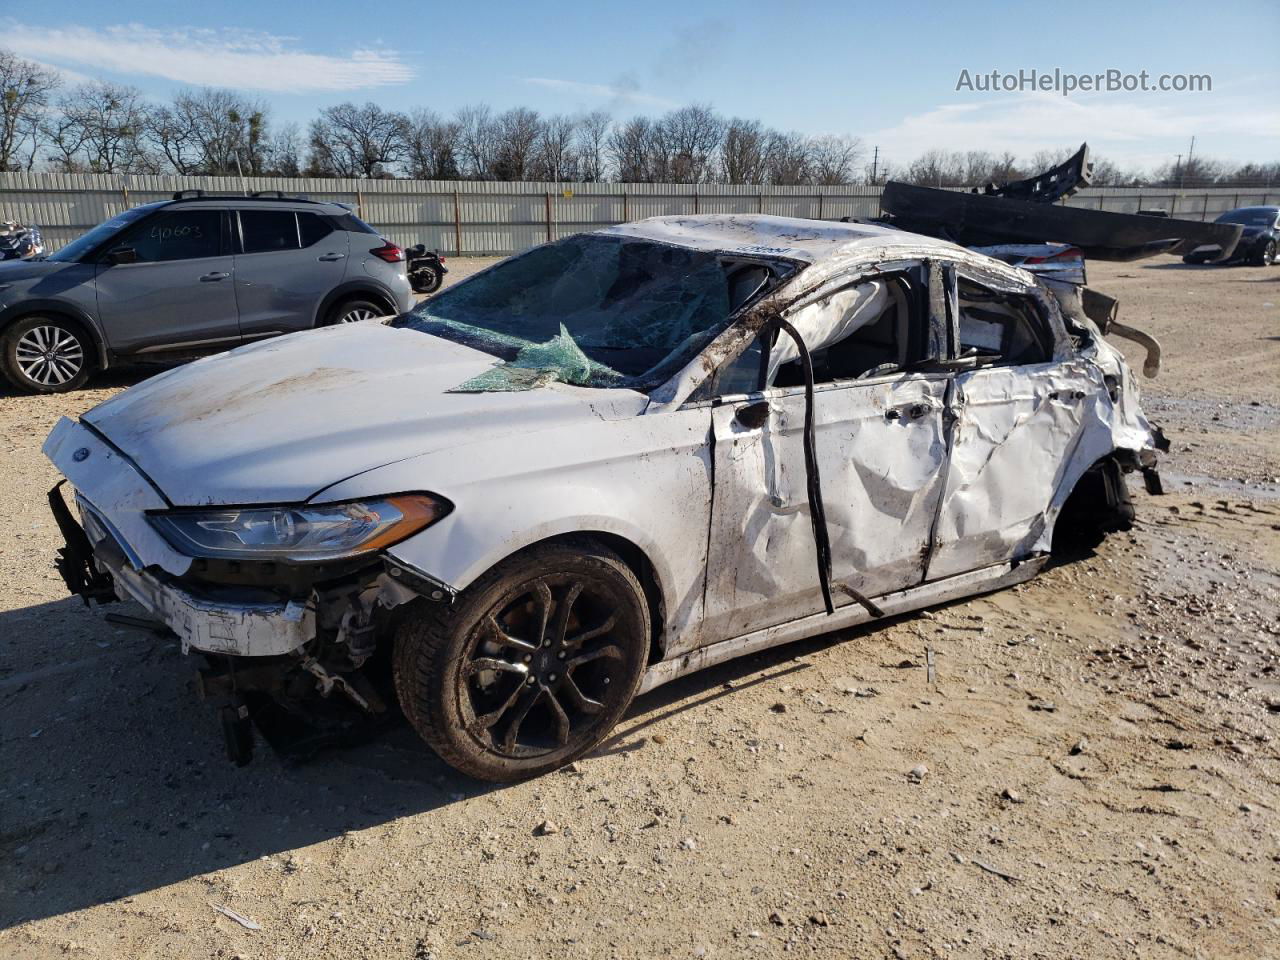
column 976, row 220
column 1020, row 439
column 882, row 452
column 1049, row 186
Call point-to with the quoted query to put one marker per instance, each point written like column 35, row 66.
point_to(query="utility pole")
column 1177, row 171
column 1190, row 151
column 875, row 163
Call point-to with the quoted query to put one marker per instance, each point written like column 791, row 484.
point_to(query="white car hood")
column 280, row 421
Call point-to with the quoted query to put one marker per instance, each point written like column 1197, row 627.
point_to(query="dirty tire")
column 1267, row 255
column 531, row 667
column 353, row 311
column 46, row 354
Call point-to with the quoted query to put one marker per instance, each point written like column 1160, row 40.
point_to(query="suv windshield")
column 103, row 231
column 592, row 310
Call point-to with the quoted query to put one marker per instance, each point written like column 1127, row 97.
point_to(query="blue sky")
column 821, row 67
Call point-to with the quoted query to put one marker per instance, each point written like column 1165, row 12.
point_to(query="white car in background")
column 601, row 465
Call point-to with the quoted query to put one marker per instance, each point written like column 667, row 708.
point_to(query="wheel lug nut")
column 528, row 657
column 560, row 654
column 552, row 678
column 532, row 680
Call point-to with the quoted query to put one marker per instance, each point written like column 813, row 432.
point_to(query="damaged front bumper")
column 95, row 565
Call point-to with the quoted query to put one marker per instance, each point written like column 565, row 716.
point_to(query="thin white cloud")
column 622, row 92
column 1140, row 130
column 241, row 59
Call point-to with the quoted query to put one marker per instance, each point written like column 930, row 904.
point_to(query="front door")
column 178, row 294
column 880, row 440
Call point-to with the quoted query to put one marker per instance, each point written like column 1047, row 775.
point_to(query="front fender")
column 33, row 305
column 646, row 479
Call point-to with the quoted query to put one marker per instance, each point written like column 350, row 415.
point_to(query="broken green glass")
column 558, row 360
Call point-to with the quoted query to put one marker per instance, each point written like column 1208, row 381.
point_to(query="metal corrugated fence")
column 470, row 218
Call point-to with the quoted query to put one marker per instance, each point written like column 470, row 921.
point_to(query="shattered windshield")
column 590, row 310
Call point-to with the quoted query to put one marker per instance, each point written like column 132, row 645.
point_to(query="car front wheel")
column 531, row 667
column 46, row 354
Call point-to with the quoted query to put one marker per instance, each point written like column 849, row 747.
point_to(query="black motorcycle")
column 426, row 269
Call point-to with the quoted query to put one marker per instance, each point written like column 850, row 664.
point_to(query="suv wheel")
column 46, row 354
column 531, row 667
column 353, row 311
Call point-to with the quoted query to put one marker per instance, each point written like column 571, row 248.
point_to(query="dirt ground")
column 1098, row 773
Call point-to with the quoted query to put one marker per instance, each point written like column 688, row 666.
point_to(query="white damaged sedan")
column 601, row 465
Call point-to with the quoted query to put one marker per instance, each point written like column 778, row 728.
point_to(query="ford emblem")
column 80, row 455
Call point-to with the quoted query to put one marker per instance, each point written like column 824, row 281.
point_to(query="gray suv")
column 191, row 275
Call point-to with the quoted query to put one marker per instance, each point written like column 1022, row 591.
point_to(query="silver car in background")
column 192, row 275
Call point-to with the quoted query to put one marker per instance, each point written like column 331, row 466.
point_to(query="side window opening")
column 864, row 332
column 268, row 231
column 1000, row 329
column 312, row 228
column 176, row 235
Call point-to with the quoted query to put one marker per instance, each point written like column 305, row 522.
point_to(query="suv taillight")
column 388, row 252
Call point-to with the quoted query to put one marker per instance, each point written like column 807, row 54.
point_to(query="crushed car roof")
column 763, row 235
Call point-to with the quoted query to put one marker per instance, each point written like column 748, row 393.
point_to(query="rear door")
column 1020, row 434
column 179, row 294
column 286, row 262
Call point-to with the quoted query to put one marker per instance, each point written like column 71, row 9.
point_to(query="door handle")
column 330, row 257
column 210, row 277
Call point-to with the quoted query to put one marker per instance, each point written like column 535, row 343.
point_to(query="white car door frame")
column 881, row 450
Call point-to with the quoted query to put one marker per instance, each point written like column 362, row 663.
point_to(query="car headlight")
column 324, row 531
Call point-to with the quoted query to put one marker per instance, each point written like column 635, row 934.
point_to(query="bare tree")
column 518, row 132
column 557, row 157
column 592, row 146
column 788, row 159
column 936, row 168
column 630, row 147
column 25, row 91
column 212, row 131
column 687, row 141
column 431, row 146
column 282, row 155
column 833, row 159
column 744, row 152
column 101, row 128
column 356, row 141
column 477, row 141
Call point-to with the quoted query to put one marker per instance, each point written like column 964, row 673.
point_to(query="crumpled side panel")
column 1021, row 432
column 882, row 455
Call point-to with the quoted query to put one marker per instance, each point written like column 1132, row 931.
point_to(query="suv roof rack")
column 268, row 195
